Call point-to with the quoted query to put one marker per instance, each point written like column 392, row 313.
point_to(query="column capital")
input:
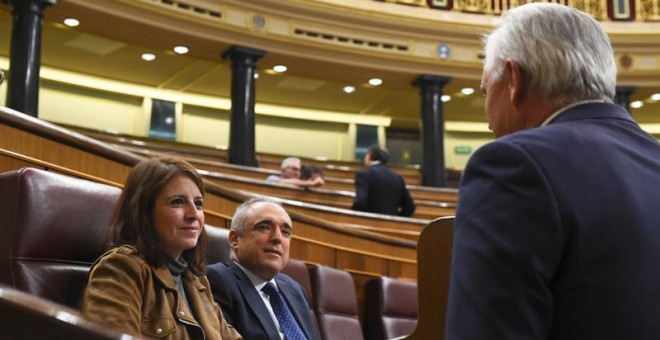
column 242, row 52
column 28, row 3
column 626, row 90
column 622, row 96
column 426, row 80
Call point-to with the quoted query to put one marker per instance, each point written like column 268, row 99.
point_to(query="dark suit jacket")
column 244, row 309
column 381, row 190
column 557, row 233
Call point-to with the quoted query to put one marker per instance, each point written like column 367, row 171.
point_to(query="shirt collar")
column 567, row 107
column 257, row 282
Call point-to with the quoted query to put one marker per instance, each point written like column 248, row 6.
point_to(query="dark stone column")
column 433, row 160
column 241, row 131
column 25, row 55
column 623, row 94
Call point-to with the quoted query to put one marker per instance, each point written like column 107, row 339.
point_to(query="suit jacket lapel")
column 254, row 301
column 294, row 300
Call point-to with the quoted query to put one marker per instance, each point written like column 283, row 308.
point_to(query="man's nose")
column 276, row 235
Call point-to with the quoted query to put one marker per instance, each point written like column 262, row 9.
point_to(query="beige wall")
column 59, row 103
column 473, row 140
column 89, row 108
column 205, row 126
column 302, row 138
column 3, row 94
column 198, row 124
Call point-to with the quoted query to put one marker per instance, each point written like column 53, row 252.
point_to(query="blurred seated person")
column 255, row 297
column 311, row 172
column 151, row 282
column 291, row 167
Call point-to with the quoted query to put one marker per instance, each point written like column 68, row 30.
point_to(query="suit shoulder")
column 218, row 269
column 124, row 253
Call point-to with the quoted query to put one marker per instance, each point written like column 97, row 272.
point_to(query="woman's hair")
column 132, row 221
column 308, row 171
column 566, row 52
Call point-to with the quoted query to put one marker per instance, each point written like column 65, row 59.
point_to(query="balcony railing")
column 603, row 10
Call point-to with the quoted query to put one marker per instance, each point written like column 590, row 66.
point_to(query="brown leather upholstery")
column 297, row 270
column 217, row 249
column 336, row 304
column 29, row 317
column 52, row 228
column 390, row 309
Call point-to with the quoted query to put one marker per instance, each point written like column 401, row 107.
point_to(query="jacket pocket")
column 160, row 327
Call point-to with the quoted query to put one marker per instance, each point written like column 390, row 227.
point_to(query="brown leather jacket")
column 126, row 293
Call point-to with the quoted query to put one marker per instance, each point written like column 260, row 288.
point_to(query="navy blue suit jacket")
column 557, row 233
column 244, row 309
column 381, row 190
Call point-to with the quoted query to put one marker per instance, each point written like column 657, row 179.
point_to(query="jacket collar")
column 593, row 110
column 189, row 279
column 254, row 300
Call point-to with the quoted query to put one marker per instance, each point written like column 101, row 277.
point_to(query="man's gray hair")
column 564, row 52
column 238, row 221
column 288, row 161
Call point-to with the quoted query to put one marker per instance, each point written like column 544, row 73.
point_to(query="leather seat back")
column 298, row 271
column 391, row 308
column 336, row 304
column 52, row 229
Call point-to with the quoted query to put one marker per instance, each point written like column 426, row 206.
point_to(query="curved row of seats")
column 437, row 202
column 53, row 228
column 33, row 138
column 339, row 174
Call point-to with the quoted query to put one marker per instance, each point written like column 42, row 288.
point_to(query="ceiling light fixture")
column 148, row 56
column 637, row 104
column 655, row 96
column 256, row 75
column 349, row 89
column 445, row 98
column 467, row 91
column 71, row 22
column 180, row 49
column 280, row 68
column 375, row 81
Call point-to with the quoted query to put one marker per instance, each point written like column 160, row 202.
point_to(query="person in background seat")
column 291, row 168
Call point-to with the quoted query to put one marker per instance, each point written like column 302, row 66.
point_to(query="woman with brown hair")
column 152, row 282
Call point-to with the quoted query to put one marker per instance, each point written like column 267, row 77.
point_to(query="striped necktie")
column 283, row 314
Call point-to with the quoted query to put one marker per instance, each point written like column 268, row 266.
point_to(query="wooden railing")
column 434, row 264
column 334, row 168
column 212, row 159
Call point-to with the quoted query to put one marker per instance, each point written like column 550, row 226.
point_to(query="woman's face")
column 178, row 215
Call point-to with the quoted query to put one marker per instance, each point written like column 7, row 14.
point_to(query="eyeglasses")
column 293, row 168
